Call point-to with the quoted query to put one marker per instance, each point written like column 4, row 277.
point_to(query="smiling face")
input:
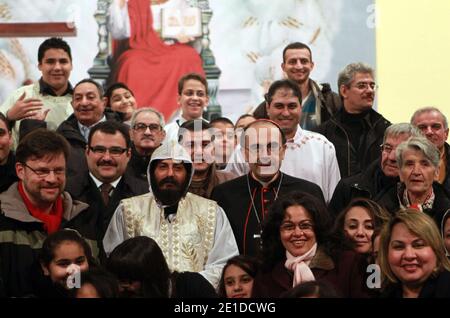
column 56, row 67
column 43, row 190
column 285, row 109
column 65, row 254
column 417, row 173
column 297, row 231
column 358, row 226
column 87, row 105
column 123, row 101
column 359, row 95
column 411, row 259
column 106, row 167
column 238, row 284
column 297, row 65
column 193, row 99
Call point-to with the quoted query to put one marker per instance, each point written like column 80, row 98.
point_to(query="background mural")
column 247, row 38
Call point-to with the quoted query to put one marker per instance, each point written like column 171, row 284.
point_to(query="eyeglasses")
column 289, row 227
column 141, row 127
column 272, row 146
column 44, row 172
column 366, row 85
column 191, row 145
column 113, row 151
column 386, row 148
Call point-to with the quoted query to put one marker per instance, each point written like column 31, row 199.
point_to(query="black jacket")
column 366, row 184
column 434, row 287
column 390, row 201
column 330, row 103
column 348, row 159
column 137, row 166
column 446, row 182
column 8, row 173
column 82, row 188
column 234, row 197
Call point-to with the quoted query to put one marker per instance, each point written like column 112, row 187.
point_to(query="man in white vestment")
column 193, row 232
column 308, row 155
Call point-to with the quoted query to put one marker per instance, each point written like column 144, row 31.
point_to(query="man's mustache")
column 106, row 163
column 169, row 180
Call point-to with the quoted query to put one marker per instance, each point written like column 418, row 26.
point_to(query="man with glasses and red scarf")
column 36, row 206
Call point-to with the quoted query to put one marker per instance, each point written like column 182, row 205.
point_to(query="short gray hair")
column 348, row 73
column 147, row 110
column 399, row 129
column 422, row 144
column 429, row 109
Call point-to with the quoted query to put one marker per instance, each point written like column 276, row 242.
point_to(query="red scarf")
column 51, row 220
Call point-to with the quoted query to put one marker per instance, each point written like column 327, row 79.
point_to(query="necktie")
column 105, row 189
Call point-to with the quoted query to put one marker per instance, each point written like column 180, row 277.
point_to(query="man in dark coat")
column 356, row 130
column 246, row 200
column 379, row 175
column 88, row 110
column 146, row 134
column 106, row 183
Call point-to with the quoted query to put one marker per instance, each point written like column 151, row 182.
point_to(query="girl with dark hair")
column 121, row 99
column 296, row 248
column 237, row 277
column 64, row 255
column 142, row 271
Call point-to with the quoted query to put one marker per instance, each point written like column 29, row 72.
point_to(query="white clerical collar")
column 266, row 184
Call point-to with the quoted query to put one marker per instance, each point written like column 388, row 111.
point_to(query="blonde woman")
column 412, row 257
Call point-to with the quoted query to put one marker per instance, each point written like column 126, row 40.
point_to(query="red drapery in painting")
column 151, row 68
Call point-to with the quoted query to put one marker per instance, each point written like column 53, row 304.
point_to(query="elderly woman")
column 412, row 257
column 296, row 249
column 418, row 162
column 357, row 223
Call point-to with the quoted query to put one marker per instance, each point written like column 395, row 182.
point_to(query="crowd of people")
column 100, row 198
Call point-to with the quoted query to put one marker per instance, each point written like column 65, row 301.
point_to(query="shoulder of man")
column 331, row 100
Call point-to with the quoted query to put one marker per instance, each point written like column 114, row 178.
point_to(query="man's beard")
column 169, row 197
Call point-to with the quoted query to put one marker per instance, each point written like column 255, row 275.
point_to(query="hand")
column 39, row 115
column 183, row 38
column 24, row 108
